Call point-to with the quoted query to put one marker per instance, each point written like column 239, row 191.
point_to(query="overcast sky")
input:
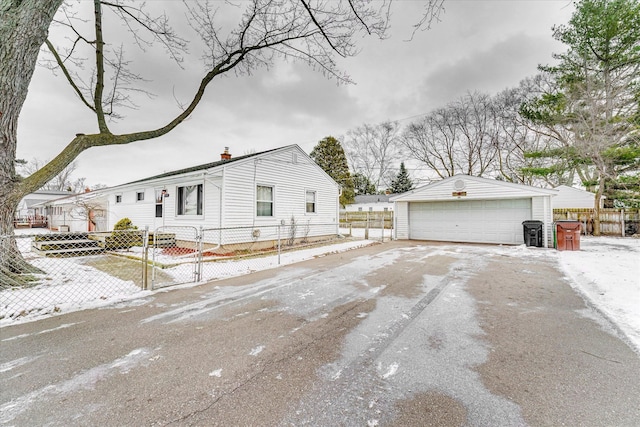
column 478, row 45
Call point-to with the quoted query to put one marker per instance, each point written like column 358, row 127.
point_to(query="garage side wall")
column 541, row 210
column 401, row 219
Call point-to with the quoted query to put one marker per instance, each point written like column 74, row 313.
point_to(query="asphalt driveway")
column 394, row 334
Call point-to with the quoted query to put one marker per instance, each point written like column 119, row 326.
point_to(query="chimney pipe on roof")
column 226, row 155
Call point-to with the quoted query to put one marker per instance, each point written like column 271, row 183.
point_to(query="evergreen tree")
column 594, row 107
column 363, row 185
column 402, row 182
column 329, row 155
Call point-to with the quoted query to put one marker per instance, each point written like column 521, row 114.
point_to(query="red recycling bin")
column 568, row 235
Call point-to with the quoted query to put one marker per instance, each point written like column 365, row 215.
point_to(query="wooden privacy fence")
column 613, row 222
column 367, row 219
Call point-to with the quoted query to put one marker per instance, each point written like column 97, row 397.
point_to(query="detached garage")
column 469, row 209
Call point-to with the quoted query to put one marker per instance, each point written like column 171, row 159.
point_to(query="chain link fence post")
column 153, row 257
column 279, row 249
column 199, row 249
column 145, row 259
column 366, row 228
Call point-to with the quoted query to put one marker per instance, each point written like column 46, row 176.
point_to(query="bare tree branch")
column 65, row 71
column 326, row 37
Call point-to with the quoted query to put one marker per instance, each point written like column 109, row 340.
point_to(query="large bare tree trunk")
column 24, row 25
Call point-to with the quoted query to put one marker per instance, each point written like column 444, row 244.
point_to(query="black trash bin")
column 532, row 233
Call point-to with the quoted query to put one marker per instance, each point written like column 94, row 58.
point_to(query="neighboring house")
column 262, row 189
column 31, row 208
column 574, row 198
column 371, row 203
column 465, row 208
column 78, row 212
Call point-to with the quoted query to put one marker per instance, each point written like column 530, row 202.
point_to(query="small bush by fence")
column 64, row 270
column 613, row 222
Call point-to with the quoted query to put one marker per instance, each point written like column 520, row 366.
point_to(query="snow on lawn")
column 606, row 271
column 66, row 286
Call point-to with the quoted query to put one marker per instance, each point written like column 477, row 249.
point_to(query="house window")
column 118, row 198
column 370, row 209
column 139, row 196
column 190, row 200
column 386, row 209
column 359, row 209
column 311, row 202
column 264, row 201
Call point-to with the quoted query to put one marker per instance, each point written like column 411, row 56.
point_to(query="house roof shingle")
column 201, row 167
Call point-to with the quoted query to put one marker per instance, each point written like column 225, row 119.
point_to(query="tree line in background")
column 63, row 181
column 577, row 122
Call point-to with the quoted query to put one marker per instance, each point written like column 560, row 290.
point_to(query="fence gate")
column 174, row 256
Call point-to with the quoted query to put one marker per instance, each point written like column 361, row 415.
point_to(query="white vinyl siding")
column 475, row 189
column 229, row 194
column 290, row 182
column 401, row 219
column 573, row 198
column 540, row 211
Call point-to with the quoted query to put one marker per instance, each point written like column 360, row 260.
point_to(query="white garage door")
column 476, row 221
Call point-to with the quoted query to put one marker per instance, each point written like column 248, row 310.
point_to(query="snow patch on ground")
column 391, row 370
column 84, row 380
column 5, row 367
column 256, row 351
column 606, row 271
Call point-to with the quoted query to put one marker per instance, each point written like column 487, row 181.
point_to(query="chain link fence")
column 53, row 271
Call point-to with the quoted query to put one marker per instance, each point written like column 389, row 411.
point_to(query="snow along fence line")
column 53, row 271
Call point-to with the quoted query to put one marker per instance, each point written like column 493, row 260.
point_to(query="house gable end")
column 471, row 188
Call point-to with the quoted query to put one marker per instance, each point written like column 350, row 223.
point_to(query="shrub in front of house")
column 124, row 235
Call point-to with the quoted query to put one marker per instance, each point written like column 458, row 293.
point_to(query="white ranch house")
column 470, row 209
column 31, row 209
column 256, row 190
column 371, row 203
column 574, row 198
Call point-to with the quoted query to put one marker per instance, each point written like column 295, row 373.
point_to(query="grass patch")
column 126, row 269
